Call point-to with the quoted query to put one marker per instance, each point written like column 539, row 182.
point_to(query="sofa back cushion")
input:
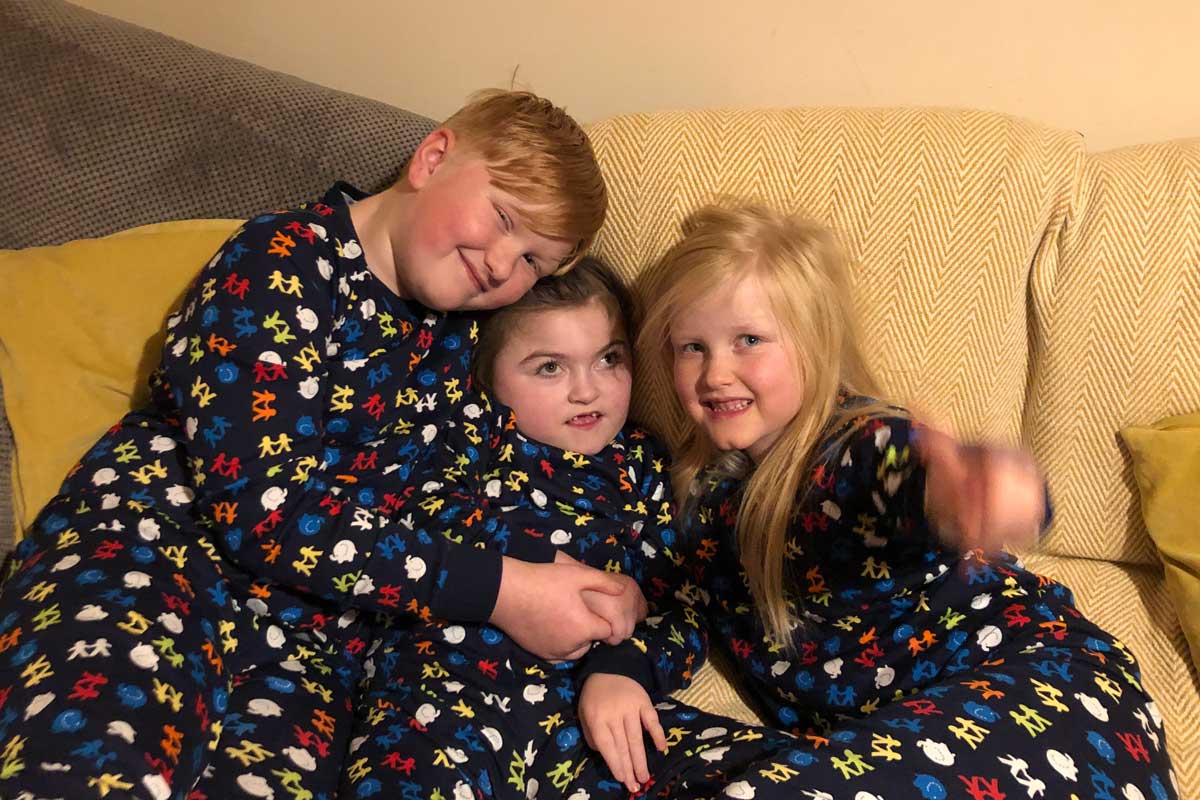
column 1116, row 335
column 943, row 213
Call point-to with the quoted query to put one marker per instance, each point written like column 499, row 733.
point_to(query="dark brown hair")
column 590, row 280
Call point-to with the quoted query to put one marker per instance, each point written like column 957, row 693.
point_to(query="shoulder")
column 643, row 445
column 862, row 426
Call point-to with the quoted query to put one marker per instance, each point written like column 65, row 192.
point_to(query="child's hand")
column 541, row 607
column 980, row 496
column 623, row 612
column 613, row 710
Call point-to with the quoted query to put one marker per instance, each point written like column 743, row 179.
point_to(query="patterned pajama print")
column 186, row 619
column 919, row 672
column 459, row 711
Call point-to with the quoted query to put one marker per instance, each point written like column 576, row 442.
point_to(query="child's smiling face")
column 467, row 244
column 566, row 374
column 735, row 370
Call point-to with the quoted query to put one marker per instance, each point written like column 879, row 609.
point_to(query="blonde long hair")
column 801, row 267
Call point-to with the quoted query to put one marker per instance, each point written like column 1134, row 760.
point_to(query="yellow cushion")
column 80, row 329
column 1166, row 463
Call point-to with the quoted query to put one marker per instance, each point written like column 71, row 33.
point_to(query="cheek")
column 512, row 291
column 685, row 384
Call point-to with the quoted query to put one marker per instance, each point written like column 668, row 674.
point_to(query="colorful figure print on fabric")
column 186, row 615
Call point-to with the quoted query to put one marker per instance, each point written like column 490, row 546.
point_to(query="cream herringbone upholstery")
column 1118, row 330
column 1009, row 284
column 943, row 212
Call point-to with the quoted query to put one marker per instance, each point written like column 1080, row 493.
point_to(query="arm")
column 671, row 644
column 244, row 370
column 971, row 496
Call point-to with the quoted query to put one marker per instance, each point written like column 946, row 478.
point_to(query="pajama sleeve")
column 666, row 649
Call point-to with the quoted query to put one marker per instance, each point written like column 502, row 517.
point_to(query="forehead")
column 735, row 301
column 586, row 327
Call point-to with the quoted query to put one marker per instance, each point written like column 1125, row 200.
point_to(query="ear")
column 430, row 154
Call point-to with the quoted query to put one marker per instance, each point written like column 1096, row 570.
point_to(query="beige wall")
column 1120, row 72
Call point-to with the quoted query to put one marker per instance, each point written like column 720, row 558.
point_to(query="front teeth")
column 730, row 405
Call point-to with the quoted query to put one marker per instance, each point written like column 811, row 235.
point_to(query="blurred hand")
column 981, row 496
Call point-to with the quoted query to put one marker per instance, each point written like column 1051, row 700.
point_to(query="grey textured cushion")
column 106, row 125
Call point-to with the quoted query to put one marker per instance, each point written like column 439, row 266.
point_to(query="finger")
column 621, row 751
column 608, row 750
column 585, row 727
column 654, row 727
column 599, row 581
column 637, row 750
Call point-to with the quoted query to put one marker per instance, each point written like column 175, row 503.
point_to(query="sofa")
column 1011, row 284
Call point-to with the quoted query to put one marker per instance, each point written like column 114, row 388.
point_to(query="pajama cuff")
column 623, row 659
column 470, row 585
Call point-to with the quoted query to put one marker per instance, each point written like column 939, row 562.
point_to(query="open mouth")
column 726, row 408
column 586, row 421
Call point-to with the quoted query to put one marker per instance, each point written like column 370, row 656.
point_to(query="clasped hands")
column 557, row 610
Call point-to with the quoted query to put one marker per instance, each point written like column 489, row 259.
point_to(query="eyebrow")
column 563, row 356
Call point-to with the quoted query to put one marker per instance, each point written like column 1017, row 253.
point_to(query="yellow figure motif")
column 37, row 671
column 341, row 398
column 780, row 773
column 283, row 331
column 308, row 560
column 126, row 452
column 202, row 393
column 884, row 747
column 135, row 623
column 167, row 694
column 10, row 758
column 289, row 285
column 969, row 731
column 145, row 474
column 40, row 591
column 852, row 766
column 1049, row 695
column 273, row 447
column 249, row 753
column 109, row 782
column 1029, row 719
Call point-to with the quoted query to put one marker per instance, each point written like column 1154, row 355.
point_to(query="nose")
column 717, row 371
column 583, row 388
column 500, row 260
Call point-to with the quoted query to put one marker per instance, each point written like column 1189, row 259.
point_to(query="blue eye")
column 691, row 347
column 751, row 340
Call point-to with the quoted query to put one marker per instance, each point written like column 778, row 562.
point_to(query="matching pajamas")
column 291, row 553
column 186, row 618
column 918, row 671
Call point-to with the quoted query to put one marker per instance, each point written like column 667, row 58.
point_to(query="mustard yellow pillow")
column 1166, row 464
column 80, row 329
